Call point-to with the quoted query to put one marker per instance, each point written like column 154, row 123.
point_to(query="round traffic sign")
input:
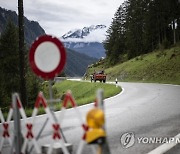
column 47, row 56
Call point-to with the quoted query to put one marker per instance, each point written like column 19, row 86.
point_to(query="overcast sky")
column 57, row 17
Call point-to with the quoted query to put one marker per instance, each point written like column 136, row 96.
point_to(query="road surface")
column 144, row 109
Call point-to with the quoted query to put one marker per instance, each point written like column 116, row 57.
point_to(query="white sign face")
column 47, row 56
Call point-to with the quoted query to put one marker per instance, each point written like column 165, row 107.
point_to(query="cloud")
column 59, row 16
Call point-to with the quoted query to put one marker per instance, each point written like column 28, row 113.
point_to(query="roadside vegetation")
column 160, row 66
column 143, row 43
column 140, row 27
column 83, row 92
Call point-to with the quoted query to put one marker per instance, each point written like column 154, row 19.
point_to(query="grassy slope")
column 158, row 66
column 84, row 92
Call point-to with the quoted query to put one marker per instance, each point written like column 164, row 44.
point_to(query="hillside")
column 77, row 63
column 32, row 28
column 140, row 27
column 161, row 66
column 91, row 49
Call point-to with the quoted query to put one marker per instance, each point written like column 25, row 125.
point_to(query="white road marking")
column 165, row 147
column 171, row 85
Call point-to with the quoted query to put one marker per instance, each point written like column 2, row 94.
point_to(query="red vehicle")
column 100, row 76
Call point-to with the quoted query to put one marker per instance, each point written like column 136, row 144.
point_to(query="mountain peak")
column 84, row 32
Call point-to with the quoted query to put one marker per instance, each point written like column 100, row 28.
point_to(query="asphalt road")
column 146, row 110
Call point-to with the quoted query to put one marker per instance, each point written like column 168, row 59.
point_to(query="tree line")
column 141, row 26
column 10, row 70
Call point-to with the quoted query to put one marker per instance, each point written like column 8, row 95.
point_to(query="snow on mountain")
column 87, row 40
column 87, row 34
column 77, row 33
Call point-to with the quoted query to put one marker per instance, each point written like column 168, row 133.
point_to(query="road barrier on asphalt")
column 5, row 124
column 70, row 99
column 29, row 136
column 98, row 105
column 28, row 123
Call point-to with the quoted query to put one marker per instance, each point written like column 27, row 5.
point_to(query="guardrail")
column 57, row 79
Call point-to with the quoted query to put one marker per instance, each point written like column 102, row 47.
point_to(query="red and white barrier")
column 5, row 125
column 41, row 101
column 70, row 99
column 29, row 135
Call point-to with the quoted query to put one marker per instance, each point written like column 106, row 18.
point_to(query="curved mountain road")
column 146, row 110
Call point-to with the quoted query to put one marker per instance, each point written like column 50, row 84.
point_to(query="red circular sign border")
column 62, row 51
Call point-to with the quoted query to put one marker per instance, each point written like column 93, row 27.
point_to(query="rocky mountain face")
column 32, row 28
column 87, row 40
column 81, row 33
column 76, row 63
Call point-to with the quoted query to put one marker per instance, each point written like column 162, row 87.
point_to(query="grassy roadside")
column 83, row 92
column 161, row 66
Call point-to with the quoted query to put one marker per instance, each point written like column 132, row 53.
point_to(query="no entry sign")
column 47, row 57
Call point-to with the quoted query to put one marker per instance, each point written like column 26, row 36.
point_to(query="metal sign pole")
column 51, row 95
column 52, row 108
column 100, row 103
column 17, row 126
column 103, row 148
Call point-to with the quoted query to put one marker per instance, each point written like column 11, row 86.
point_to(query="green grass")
column 158, row 66
column 84, row 92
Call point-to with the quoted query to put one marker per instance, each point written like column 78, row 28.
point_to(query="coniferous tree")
column 9, row 72
column 114, row 43
column 9, row 62
column 135, row 27
column 140, row 26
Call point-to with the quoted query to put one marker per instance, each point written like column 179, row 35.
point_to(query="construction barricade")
column 57, row 136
